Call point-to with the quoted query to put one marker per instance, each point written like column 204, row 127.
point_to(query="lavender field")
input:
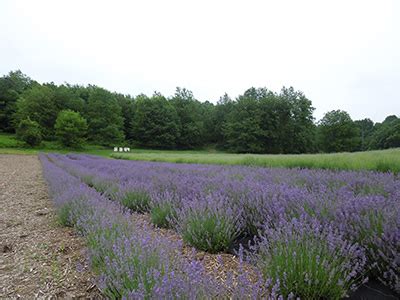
column 307, row 233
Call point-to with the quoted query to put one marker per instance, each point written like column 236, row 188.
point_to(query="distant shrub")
column 70, row 128
column 9, row 141
column 29, row 132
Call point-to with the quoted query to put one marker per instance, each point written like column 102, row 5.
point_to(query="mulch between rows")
column 38, row 258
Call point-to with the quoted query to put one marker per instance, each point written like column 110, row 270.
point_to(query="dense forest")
column 258, row 121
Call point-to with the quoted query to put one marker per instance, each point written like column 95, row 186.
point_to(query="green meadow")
column 10, row 145
column 379, row 160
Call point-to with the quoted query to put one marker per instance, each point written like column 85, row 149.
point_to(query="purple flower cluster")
column 349, row 221
column 130, row 263
column 309, row 259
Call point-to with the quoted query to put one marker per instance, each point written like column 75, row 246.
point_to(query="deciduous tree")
column 37, row 103
column 11, row 87
column 105, row 121
column 71, row 128
column 338, row 132
column 29, row 132
column 156, row 123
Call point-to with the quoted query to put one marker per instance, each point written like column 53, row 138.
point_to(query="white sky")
column 341, row 54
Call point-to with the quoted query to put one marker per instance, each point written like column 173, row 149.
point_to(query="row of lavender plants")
column 130, row 262
column 319, row 233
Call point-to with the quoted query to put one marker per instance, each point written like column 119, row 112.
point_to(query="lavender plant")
column 132, row 196
column 163, row 208
column 311, row 261
column 211, row 205
column 208, row 223
column 374, row 222
column 162, row 214
column 130, row 263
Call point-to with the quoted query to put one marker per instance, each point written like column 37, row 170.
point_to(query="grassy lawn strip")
column 9, row 144
column 379, row 160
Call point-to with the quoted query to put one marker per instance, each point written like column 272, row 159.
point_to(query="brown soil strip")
column 38, row 258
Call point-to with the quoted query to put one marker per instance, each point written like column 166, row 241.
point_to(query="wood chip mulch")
column 38, row 258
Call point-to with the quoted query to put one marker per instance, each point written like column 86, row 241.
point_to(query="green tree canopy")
column 259, row 120
column 11, row 87
column 265, row 122
column 105, row 121
column 190, row 119
column 65, row 97
column 301, row 128
column 29, row 132
column 37, row 103
column 155, row 123
column 221, row 112
column 366, row 129
column 242, row 129
column 126, row 103
column 209, row 130
column 337, row 132
column 387, row 134
column 71, row 128
column 275, row 122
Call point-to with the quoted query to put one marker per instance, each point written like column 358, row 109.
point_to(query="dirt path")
column 38, row 258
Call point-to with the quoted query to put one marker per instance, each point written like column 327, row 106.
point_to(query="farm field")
column 205, row 150
column 305, row 233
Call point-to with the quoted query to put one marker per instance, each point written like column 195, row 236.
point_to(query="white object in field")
column 122, row 149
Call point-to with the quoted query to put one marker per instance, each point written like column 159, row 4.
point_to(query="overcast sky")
column 341, row 54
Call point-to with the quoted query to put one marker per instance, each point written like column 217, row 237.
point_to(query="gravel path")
column 38, row 258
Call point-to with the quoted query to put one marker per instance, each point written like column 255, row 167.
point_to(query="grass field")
column 382, row 160
column 10, row 145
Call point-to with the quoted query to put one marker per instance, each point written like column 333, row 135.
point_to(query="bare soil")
column 38, row 258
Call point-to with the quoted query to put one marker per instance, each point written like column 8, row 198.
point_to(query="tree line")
column 258, row 121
